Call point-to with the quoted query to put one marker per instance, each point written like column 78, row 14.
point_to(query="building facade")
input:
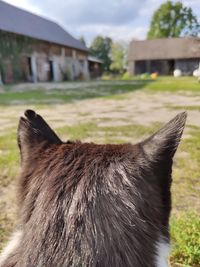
column 49, row 53
column 164, row 56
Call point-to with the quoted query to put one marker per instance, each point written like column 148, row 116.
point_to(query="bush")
column 126, row 76
column 106, row 77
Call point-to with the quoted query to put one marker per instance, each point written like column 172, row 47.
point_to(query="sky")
column 122, row 20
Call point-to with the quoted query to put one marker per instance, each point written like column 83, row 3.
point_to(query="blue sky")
column 122, row 20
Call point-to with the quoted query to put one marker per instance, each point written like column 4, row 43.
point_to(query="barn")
column 36, row 49
column 164, row 56
column 95, row 67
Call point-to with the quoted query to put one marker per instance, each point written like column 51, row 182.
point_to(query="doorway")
column 50, row 72
column 171, row 64
column 30, row 71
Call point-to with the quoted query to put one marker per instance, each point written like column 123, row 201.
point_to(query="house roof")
column 171, row 48
column 19, row 21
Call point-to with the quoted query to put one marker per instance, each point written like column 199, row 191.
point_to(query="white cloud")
column 120, row 33
column 79, row 12
column 119, row 19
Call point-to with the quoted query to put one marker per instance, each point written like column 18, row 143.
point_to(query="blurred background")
column 104, row 72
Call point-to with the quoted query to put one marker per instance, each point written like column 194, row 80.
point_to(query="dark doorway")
column 140, row 67
column 30, row 71
column 171, row 64
column 50, row 73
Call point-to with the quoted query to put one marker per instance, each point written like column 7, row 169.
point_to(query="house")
column 95, row 67
column 36, row 49
column 164, row 56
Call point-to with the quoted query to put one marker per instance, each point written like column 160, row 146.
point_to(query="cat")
column 95, row 205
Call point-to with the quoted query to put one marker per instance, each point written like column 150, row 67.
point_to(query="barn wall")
column 163, row 67
column 49, row 62
column 8, row 72
column 66, row 63
column 187, row 66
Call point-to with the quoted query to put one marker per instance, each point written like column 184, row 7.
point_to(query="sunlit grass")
column 185, row 235
column 171, row 84
column 41, row 96
column 9, row 157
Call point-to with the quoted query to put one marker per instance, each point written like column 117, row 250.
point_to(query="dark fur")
column 83, row 204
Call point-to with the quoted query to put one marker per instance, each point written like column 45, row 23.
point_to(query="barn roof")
column 95, row 59
column 19, row 21
column 171, row 48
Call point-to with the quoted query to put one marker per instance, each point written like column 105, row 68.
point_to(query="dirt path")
column 138, row 107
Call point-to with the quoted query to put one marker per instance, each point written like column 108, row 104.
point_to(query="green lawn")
column 170, row 84
column 86, row 90
column 90, row 125
column 80, row 92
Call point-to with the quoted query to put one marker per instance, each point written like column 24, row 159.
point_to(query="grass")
column 129, row 132
column 188, row 169
column 9, row 158
column 185, row 234
column 110, row 134
column 6, row 226
column 77, row 131
column 107, row 89
column 70, row 94
column 171, row 84
column 185, row 220
column 168, row 83
column 186, row 107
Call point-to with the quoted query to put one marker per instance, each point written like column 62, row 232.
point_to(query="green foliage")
column 106, row 76
column 126, row 76
column 101, row 48
column 11, row 47
column 118, row 54
column 145, row 76
column 185, row 234
column 172, row 19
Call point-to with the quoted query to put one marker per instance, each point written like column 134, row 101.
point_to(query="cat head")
column 105, row 204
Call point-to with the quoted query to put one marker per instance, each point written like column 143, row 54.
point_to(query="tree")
column 118, row 54
column 173, row 20
column 82, row 40
column 101, row 48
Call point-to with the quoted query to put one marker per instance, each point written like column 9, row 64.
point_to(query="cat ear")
column 163, row 144
column 32, row 132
